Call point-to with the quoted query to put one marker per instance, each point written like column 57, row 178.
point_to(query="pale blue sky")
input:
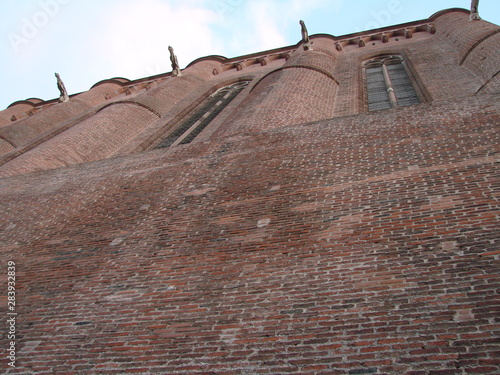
column 88, row 41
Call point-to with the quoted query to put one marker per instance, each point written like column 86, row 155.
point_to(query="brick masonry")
column 364, row 243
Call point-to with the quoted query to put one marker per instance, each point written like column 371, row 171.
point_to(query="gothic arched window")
column 203, row 115
column 388, row 84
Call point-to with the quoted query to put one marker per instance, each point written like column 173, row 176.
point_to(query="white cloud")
column 298, row 7
column 137, row 36
column 263, row 30
column 261, row 24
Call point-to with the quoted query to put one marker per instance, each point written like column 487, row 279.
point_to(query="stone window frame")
column 203, row 115
column 392, row 100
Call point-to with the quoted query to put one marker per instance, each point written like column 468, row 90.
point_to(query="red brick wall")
column 165, row 95
column 40, row 122
column 363, row 244
column 22, row 132
column 19, row 111
column 483, row 60
column 303, row 90
column 456, row 29
column 459, row 60
column 477, row 45
column 5, row 146
column 95, row 138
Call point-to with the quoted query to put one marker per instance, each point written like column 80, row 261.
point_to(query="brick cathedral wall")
column 362, row 244
column 19, row 111
column 432, row 64
column 95, row 138
column 24, row 131
column 5, row 147
column 298, row 92
column 475, row 41
column 165, row 95
column 484, row 61
column 456, row 29
column 303, row 90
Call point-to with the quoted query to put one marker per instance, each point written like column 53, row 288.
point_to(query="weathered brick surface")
column 39, row 123
column 164, row 96
column 483, row 60
column 431, row 61
column 95, row 138
column 476, row 43
column 464, row 35
column 302, row 91
column 23, row 131
column 364, row 244
column 5, row 146
column 34, row 121
column 19, row 111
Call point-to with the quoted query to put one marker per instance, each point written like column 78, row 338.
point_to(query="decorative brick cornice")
column 32, row 102
column 258, row 60
column 385, row 36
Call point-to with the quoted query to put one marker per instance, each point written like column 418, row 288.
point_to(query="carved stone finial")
column 474, row 13
column 176, row 70
column 305, row 36
column 62, row 89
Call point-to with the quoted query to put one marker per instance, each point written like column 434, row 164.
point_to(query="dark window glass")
column 203, row 115
column 388, row 84
column 377, row 90
column 403, row 88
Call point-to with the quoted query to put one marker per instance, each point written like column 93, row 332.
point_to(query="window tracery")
column 203, row 115
column 388, row 84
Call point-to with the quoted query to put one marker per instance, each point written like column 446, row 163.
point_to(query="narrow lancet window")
column 388, row 84
column 203, row 115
